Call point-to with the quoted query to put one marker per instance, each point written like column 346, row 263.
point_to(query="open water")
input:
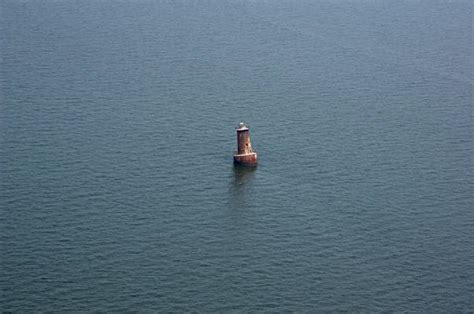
column 117, row 188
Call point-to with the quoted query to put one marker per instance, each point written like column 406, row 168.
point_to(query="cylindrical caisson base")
column 246, row 159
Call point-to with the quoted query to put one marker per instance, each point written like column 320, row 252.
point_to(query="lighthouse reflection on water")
column 241, row 186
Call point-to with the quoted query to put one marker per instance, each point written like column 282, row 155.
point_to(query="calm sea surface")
column 117, row 188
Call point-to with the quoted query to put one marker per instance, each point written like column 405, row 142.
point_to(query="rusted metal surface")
column 244, row 155
column 247, row 159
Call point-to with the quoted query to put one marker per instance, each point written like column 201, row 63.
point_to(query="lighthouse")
column 244, row 155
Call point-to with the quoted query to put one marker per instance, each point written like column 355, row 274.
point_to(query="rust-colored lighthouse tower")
column 244, row 155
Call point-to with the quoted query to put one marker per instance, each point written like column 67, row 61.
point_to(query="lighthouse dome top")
column 242, row 126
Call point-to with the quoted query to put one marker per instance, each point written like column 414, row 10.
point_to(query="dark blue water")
column 117, row 188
